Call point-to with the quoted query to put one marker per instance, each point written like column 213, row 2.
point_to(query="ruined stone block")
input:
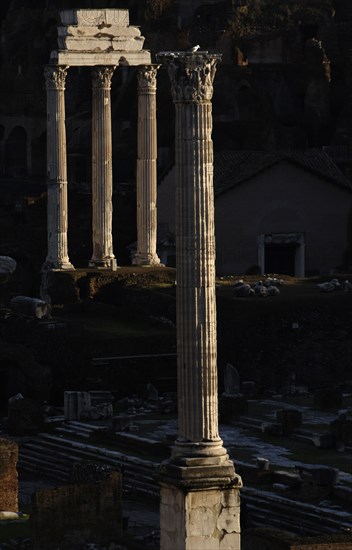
column 70, row 515
column 8, row 475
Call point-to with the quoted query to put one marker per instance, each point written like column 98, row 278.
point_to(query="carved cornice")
column 146, row 76
column 55, row 77
column 101, row 77
column 191, row 75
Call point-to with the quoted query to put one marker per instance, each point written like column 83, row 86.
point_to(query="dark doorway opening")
column 12, row 381
column 280, row 258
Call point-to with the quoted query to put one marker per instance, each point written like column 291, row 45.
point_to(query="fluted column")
column 103, row 256
column 57, row 216
column 199, row 490
column 146, row 168
column 192, row 87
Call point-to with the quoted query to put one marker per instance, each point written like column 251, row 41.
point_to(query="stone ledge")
column 198, row 478
column 92, row 59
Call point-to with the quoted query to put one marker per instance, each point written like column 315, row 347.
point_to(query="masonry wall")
column 74, row 514
column 8, row 476
column 282, row 199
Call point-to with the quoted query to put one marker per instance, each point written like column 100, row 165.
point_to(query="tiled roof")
column 232, row 168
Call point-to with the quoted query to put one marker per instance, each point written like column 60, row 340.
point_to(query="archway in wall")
column 16, row 153
column 12, row 381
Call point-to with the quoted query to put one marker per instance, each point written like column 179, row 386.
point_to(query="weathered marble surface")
column 147, row 168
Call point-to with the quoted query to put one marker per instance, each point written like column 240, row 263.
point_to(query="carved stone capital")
column 191, row 75
column 147, row 77
column 101, row 77
column 55, row 77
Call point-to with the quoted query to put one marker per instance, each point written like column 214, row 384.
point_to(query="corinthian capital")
column 55, row 77
column 101, row 77
column 147, row 77
column 191, row 74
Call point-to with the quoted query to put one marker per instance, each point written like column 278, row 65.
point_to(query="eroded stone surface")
column 8, row 476
column 194, row 520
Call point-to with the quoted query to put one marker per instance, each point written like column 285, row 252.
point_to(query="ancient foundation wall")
column 8, row 475
column 74, row 514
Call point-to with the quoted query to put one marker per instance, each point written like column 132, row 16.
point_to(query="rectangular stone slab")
column 101, row 44
column 91, row 18
column 98, row 32
column 92, row 59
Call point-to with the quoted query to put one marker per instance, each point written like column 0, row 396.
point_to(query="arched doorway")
column 16, row 153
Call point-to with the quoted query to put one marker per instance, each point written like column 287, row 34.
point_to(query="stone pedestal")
column 199, row 487
column 8, row 476
column 146, row 168
column 103, row 256
column 57, row 257
column 206, row 519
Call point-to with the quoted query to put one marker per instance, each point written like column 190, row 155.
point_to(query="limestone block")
column 230, row 498
column 230, row 542
column 88, row 18
column 110, row 31
column 201, row 522
column 92, row 59
column 229, row 520
column 92, row 44
column 194, row 520
column 197, row 543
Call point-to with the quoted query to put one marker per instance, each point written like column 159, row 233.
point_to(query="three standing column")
column 103, row 256
column 147, row 168
column 57, row 258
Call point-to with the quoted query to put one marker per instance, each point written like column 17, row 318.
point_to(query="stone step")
column 87, row 426
column 323, row 518
column 249, row 422
column 64, row 452
column 77, row 432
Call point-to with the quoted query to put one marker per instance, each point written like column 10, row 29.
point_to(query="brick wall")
column 79, row 513
column 8, row 475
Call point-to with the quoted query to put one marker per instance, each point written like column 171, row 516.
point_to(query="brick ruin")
column 8, row 476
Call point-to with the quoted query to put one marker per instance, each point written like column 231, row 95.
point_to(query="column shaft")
column 103, row 256
column 147, row 168
column 57, row 257
column 199, row 496
column 192, row 78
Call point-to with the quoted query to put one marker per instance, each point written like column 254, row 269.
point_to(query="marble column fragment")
column 103, row 256
column 57, row 258
column 147, row 168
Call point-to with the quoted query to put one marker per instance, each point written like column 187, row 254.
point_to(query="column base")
column 147, row 260
column 106, row 263
column 54, row 265
column 200, row 511
column 210, row 453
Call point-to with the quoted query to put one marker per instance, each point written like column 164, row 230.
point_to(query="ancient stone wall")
column 8, row 476
column 76, row 513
